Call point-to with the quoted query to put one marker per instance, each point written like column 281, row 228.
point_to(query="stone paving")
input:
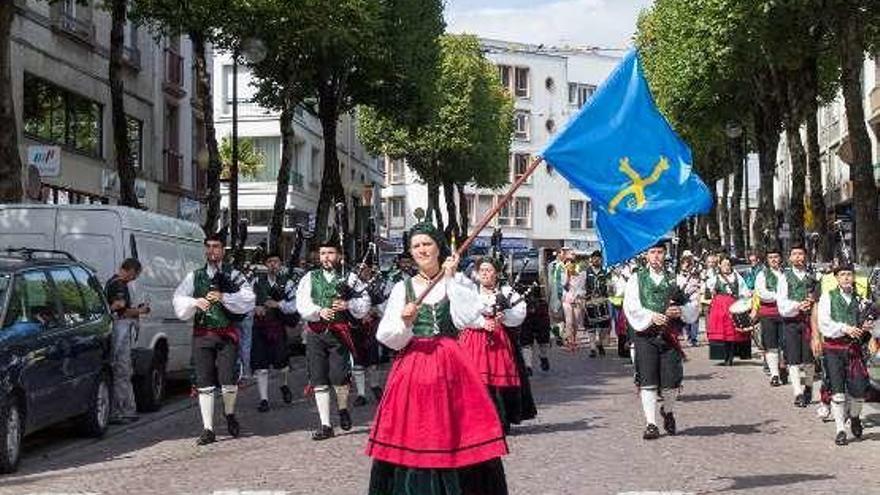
column 736, row 435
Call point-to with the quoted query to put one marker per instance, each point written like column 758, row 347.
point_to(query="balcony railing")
column 78, row 28
column 173, row 166
column 174, row 72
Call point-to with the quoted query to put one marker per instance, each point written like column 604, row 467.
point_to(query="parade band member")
column 766, row 284
column 125, row 318
column 435, row 430
column 597, row 289
column 658, row 356
column 328, row 338
column 795, row 302
column 535, row 329
column 214, row 296
column 556, row 288
column 686, row 267
column 489, row 345
column 842, row 348
column 365, row 359
column 574, row 279
column 726, row 287
column 275, row 299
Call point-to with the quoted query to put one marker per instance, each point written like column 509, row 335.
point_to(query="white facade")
column 60, row 62
column 256, row 196
column 549, row 86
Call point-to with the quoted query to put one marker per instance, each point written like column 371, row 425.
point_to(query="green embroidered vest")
column 770, row 278
column 432, row 319
column 653, row 296
column 215, row 316
column 262, row 289
column 841, row 311
column 324, row 292
column 724, row 287
column 797, row 288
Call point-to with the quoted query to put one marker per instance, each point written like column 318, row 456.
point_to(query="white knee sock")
column 230, row 392
column 632, row 354
column 527, row 355
column 794, row 375
column 542, row 350
column 262, row 383
column 808, row 374
column 360, row 380
column 670, row 395
column 341, row 396
column 206, row 407
column 649, row 405
column 373, row 374
column 285, row 374
column 773, row 361
column 838, row 410
column 855, row 407
column 322, row 399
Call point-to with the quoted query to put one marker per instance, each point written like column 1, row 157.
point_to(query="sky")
column 602, row 23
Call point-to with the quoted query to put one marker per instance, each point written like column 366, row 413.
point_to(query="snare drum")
column 741, row 311
column 597, row 310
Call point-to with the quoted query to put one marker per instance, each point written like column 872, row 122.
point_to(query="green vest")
column 215, row 316
column 797, row 288
column 653, row 296
column 770, row 278
column 263, row 291
column 841, row 311
column 432, row 319
column 324, row 292
column 724, row 287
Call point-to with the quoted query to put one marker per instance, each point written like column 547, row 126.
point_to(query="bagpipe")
column 351, row 283
column 225, row 283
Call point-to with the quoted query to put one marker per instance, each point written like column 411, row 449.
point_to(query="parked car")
column 55, row 344
column 102, row 236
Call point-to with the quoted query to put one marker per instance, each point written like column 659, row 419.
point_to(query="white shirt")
column 834, row 329
column 309, row 311
column 767, row 295
column 511, row 317
column 787, row 307
column 743, row 291
column 288, row 306
column 639, row 317
column 465, row 308
column 240, row 302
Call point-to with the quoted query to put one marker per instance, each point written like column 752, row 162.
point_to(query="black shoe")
column 592, row 353
column 545, row 364
column 529, row 370
column 774, row 382
column 840, row 439
column 668, row 422
column 855, row 425
column 601, row 350
column 783, row 377
column 359, row 401
column 651, row 432
column 344, row 419
column 206, row 437
column 286, row 394
column 264, row 406
column 323, row 433
column 808, row 396
column 799, row 401
column 232, row 425
column 377, row 393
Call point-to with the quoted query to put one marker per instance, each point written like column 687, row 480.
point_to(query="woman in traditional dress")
column 490, row 346
column 725, row 341
column 436, row 430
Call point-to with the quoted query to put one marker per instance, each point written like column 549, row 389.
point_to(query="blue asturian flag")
column 622, row 153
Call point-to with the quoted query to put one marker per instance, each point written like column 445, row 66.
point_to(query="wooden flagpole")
column 484, row 222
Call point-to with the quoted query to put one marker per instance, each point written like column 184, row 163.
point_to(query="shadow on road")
column 741, row 429
column 768, row 480
column 703, row 397
column 540, row 429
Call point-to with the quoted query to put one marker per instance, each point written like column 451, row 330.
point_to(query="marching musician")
column 685, row 273
column 573, row 282
column 556, row 288
column 321, row 301
column 794, row 294
column 726, row 287
column 658, row 355
column 597, row 289
column 536, row 329
column 843, row 334
column 365, row 359
column 766, row 286
column 275, row 305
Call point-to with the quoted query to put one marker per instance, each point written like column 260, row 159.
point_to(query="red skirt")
column 435, row 412
column 492, row 355
column 720, row 327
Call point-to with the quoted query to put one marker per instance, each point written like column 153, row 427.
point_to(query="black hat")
column 773, row 246
column 219, row 236
column 843, row 267
column 797, row 245
column 659, row 244
column 330, row 240
column 596, row 254
column 272, row 254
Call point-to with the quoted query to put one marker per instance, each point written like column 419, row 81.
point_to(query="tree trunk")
column 767, row 137
column 331, row 182
column 851, row 48
column 122, row 148
column 212, row 186
column 814, row 169
column 434, row 205
column 736, row 219
column 11, row 190
column 452, row 227
column 282, row 189
column 712, row 220
column 724, row 212
column 463, row 210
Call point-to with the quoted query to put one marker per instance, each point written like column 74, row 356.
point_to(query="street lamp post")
column 233, row 168
column 734, row 132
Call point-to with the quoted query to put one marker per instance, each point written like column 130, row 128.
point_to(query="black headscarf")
column 431, row 231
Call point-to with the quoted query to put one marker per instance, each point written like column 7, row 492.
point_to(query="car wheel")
column 94, row 422
column 11, row 433
column 149, row 389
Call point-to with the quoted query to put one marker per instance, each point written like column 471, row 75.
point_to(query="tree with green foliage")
column 250, row 160
column 118, row 10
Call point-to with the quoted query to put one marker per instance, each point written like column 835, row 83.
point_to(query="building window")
column 522, row 82
column 398, row 172
column 56, row 115
column 577, row 215
column 398, row 206
column 588, row 215
column 505, row 72
column 316, row 167
column 520, row 163
column 522, row 125
column 484, row 204
column 135, row 141
column 522, row 212
column 578, row 94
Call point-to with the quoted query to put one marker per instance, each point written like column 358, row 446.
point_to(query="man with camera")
column 215, row 296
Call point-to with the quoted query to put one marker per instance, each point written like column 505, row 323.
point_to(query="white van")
column 103, row 236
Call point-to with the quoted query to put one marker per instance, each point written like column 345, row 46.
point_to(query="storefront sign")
column 47, row 159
